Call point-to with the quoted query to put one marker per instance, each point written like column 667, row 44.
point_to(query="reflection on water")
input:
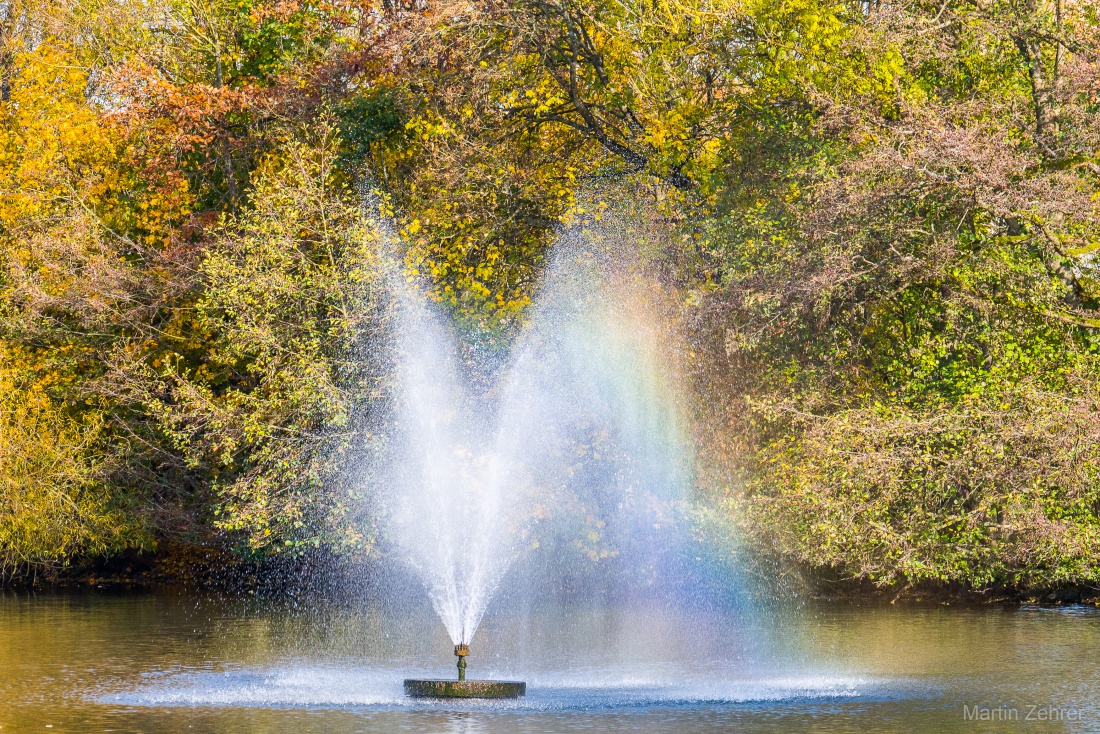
column 167, row 662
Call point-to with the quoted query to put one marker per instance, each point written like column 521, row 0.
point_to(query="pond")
column 170, row 661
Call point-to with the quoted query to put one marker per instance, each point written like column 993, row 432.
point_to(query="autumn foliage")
column 878, row 220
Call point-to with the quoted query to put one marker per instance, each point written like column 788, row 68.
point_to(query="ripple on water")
column 324, row 687
column 1070, row 609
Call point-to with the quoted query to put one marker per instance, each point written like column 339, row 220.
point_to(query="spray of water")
column 578, row 444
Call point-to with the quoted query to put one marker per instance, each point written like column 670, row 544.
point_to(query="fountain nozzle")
column 464, row 688
column 462, row 650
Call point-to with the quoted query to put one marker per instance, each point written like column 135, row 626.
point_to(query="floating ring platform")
column 464, row 688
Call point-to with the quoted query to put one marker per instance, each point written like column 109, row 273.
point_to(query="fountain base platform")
column 464, row 688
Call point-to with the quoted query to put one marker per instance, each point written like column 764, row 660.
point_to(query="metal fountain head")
column 462, row 650
column 463, row 688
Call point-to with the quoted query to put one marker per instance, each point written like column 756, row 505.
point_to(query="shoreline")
column 213, row 566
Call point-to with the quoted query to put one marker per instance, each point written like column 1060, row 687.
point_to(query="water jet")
column 462, row 688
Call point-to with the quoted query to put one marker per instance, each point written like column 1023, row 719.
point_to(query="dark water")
column 169, row 662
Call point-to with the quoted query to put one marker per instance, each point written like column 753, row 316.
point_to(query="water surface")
column 174, row 662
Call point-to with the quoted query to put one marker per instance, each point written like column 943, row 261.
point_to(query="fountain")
column 478, row 477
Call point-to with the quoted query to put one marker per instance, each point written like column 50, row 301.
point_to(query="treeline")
column 880, row 218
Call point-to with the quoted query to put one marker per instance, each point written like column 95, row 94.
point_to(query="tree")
column 905, row 301
column 285, row 408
